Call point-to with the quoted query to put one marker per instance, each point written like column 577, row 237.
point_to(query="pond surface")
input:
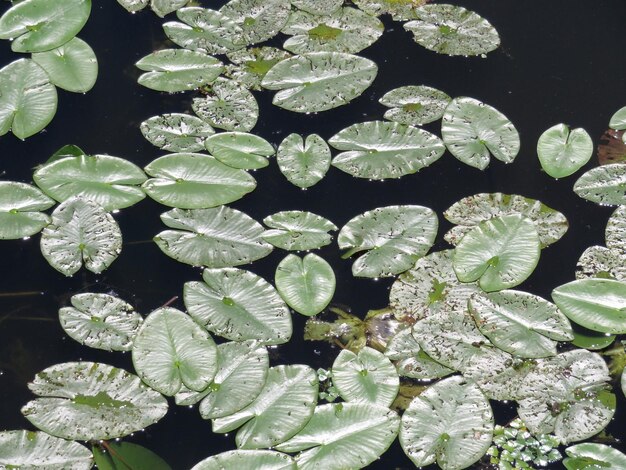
column 560, row 61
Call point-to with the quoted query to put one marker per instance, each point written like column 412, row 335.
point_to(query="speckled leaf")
column 303, row 162
column 100, row 321
column 415, row 105
column 20, row 206
column 472, row 131
column 238, row 305
column 176, row 132
column 229, row 106
column 215, row 238
column 319, row 81
column 257, row 459
column 563, row 152
column 590, row 455
column 615, row 230
column 298, row 230
column 240, row 150
column 450, row 423
column 88, row 401
column 260, row 20
column 379, row 150
column 605, row 185
column 400, row 10
column 498, row 375
column 81, row 232
column 165, row 7
column 133, row 5
column 600, row 262
column 317, row 7
column 283, row 407
column 249, row 66
column 453, row 30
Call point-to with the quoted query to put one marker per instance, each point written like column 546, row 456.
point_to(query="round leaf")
column 605, row 185
column 590, row 455
column 260, row 20
column 257, row 459
column 20, row 206
column 240, row 150
column 176, row 132
column 298, row 230
column 563, row 153
column 303, row 162
column 228, row 106
column 415, row 105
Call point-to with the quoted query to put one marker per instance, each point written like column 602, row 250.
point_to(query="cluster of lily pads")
column 454, row 313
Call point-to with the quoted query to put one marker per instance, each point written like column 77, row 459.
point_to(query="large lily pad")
column 303, row 162
column 249, row 66
column 176, row 132
column 109, row 181
column 415, row 105
column 87, row 401
column 101, row 321
column 590, row 455
column 260, row 20
column 238, row 305
column 500, row 253
column 473, row 131
column 228, row 105
column 563, row 152
column 319, row 81
column 605, row 185
column 240, row 150
column 257, row 459
column 20, row 206
column 380, row 150
column 450, row 423
column 215, row 238
column 298, row 230
column 394, row 238
column 81, row 232
column 195, row 181
column 453, row 30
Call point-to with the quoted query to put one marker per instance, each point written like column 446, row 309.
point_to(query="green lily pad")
column 20, row 210
column 298, row 230
column 618, row 120
column 258, row 459
column 415, row 105
column 119, row 455
column 400, row 10
column 472, row 131
column 563, row 152
column 228, row 106
column 379, row 150
column 133, row 6
column 240, row 150
column 176, row 132
column 318, row 81
column 303, row 162
column 615, row 229
column 600, row 262
column 249, row 66
column 195, row 181
column 591, row 455
column 591, row 340
column 260, row 20
column 605, row 185
column 317, row 7
column 165, row 7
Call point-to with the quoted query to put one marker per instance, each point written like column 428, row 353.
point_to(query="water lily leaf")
column 615, row 229
column 298, row 230
column 415, row 105
column 366, row 377
column 28, row 449
column 133, row 5
column 592, row 340
column 410, row 360
column 563, row 152
column 195, row 181
column 170, row 350
column 303, row 162
column 472, row 131
column 567, row 395
column 345, row 435
column 238, row 305
column 216, row 238
column 597, row 304
column 28, row 101
column 101, row 321
column 400, row 10
column 165, row 7
column 453, row 30
column 257, row 459
column 590, row 455
column 20, row 206
column 283, row 407
column 120, row 455
column 605, row 185
column 72, row 66
column 109, row 181
column 66, row 151
column 394, row 237
column 450, row 423
column 344, row 30
column 88, row 401
column 249, row 66
column 204, row 30
column 176, row 132
column 317, row 7
column 500, row 253
column 601, row 262
column 175, row 70
column 240, row 150
column 81, row 232
column 380, row 150
column 319, row 81
column 228, row 105
column 520, row 323
column 40, row 25
column 551, row 225
column 618, row 120
column 260, row 20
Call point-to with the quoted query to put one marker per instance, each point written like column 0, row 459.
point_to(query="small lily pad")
column 415, row 105
column 240, row 150
column 562, row 152
column 298, row 230
column 133, row 6
column 303, row 162
column 20, row 210
column 228, row 105
column 605, row 185
column 176, row 132
column 618, row 120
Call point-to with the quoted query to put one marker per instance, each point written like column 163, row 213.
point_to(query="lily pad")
column 303, row 162
column 238, row 305
column 240, row 150
column 473, row 130
column 563, row 152
column 379, row 150
column 597, row 304
column 499, row 253
column 282, row 409
column 165, row 7
column 618, row 120
column 590, row 455
column 344, row 30
column 216, row 238
column 175, row 70
column 400, row 10
column 118, row 455
column 81, row 232
column 112, row 182
column 249, row 66
column 257, row 459
column 41, row 25
column 228, row 105
column 176, row 132
column 195, row 181
column 394, row 238
column 415, row 105
column 605, row 185
column 260, row 20
column 450, row 423
column 101, row 321
column 318, row 7
column 28, row 101
column 88, row 401
column 591, row 340
column 298, row 230
column 319, row 81
column 615, row 229
column 20, row 210
column 453, row 30
column 600, row 262
column 133, row 6
column 307, row 285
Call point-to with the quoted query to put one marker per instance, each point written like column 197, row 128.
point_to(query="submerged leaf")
column 303, row 162
column 257, row 459
column 298, row 230
column 228, row 106
column 563, row 152
column 20, row 210
column 415, row 105
column 240, row 150
column 176, row 132
column 605, row 185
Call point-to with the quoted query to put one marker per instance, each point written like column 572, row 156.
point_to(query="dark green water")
column 560, row 61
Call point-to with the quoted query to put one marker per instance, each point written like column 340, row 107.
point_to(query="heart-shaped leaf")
column 563, row 152
column 415, row 105
column 298, row 230
column 240, row 150
column 176, row 132
column 20, row 206
column 303, row 162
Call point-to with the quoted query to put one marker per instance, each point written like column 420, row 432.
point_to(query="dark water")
column 561, row 61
